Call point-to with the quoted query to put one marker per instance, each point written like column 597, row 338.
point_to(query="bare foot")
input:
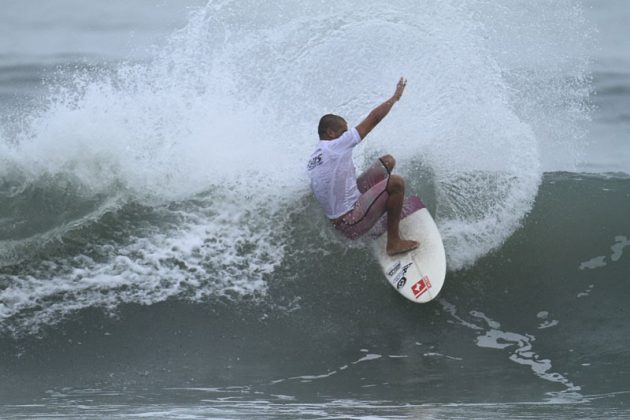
column 401, row 246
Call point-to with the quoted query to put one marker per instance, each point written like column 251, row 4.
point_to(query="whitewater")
column 153, row 167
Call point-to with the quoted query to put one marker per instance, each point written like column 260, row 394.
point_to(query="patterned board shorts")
column 371, row 205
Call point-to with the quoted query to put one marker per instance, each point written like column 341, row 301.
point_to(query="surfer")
column 354, row 205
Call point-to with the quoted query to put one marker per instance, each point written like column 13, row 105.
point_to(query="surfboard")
column 419, row 274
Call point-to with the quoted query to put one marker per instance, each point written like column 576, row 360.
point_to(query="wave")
column 208, row 140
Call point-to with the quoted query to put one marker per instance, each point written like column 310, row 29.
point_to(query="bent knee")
column 396, row 184
column 388, row 161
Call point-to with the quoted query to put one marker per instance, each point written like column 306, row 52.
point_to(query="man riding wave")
column 354, row 204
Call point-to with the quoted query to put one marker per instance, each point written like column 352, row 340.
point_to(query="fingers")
column 400, row 87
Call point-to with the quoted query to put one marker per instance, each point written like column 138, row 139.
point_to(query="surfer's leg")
column 377, row 172
column 388, row 162
column 367, row 211
column 394, row 205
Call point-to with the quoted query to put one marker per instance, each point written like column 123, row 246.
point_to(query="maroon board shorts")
column 371, row 205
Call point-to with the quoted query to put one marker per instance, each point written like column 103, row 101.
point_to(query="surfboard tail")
column 411, row 205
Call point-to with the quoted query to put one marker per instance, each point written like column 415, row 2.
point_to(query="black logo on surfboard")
column 401, row 275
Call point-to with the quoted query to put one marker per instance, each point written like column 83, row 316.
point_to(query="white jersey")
column 333, row 176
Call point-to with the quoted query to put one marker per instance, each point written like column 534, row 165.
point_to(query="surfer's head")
column 331, row 126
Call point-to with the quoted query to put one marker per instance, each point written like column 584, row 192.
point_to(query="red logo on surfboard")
column 421, row 287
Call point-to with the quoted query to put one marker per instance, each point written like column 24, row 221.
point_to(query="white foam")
column 228, row 109
column 199, row 259
column 620, row 243
column 520, row 346
column 617, row 248
column 434, row 354
column 546, row 322
column 587, row 292
column 595, row 262
column 523, row 354
column 367, row 358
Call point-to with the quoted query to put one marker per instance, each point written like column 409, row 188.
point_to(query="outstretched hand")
column 400, row 88
column 377, row 114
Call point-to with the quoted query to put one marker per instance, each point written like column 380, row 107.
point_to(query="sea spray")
column 202, row 149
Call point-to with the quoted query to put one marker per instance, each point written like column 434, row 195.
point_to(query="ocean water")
column 161, row 255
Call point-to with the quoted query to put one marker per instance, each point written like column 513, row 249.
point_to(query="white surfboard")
column 419, row 274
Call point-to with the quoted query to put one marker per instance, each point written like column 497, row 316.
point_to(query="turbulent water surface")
column 161, row 254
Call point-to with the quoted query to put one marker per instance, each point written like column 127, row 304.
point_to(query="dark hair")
column 329, row 121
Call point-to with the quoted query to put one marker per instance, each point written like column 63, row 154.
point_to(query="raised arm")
column 377, row 114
